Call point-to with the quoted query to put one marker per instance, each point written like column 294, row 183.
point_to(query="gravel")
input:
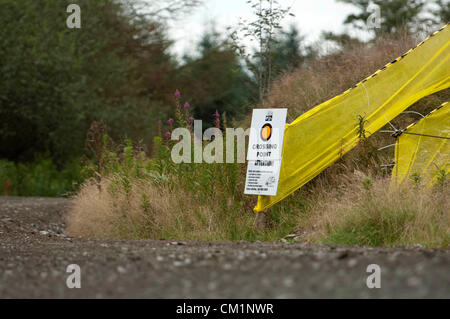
column 35, row 253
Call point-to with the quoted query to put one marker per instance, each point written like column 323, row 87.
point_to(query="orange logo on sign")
column 266, row 132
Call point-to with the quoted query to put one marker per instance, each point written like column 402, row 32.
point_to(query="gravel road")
column 35, row 252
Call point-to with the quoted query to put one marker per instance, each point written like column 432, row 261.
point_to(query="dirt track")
column 34, row 254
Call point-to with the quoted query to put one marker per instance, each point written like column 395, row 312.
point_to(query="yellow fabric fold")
column 425, row 156
column 320, row 136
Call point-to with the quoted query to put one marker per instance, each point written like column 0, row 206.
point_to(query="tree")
column 162, row 10
column 54, row 81
column 289, row 50
column 343, row 39
column 394, row 14
column 442, row 12
column 268, row 14
column 215, row 80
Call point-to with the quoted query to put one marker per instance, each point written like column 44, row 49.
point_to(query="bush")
column 39, row 178
column 51, row 88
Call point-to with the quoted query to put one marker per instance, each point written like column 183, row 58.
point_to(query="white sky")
column 311, row 16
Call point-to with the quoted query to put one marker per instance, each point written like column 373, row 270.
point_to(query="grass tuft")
column 378, row 216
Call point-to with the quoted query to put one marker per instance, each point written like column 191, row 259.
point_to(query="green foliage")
column 442, row 12
column 441, row 178
column 415, row 179
column 54, row 81
column 394, row 14
column 343, row 39
column 367, row 183
column 289, row 50
column 361, row 128
column 371, row 230
column 268, row 15
column 39, row 178
column 215, row 80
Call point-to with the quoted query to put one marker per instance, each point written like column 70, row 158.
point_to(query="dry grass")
column 365, row 211
column 142, row 211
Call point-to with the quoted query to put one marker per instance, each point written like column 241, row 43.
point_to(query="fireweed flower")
column 217, row 116
column 186, row 105
column 170, row 122
column 168, row 135
column 159, row 128
column 177, row 94
column 190, row 120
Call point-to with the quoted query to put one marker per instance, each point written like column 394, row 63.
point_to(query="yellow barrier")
column 423, row 149
column 320, row 136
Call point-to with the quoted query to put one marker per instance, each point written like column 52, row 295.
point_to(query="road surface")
column 35, row 253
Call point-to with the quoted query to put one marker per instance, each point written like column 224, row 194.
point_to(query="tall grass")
column 364, row 211
column 139, row 197
column 133, row 196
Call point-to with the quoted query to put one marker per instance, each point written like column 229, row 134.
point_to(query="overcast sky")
column 311, row 16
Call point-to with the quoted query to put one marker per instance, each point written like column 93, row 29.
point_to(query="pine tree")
column 442, row 12
column 290, row 51
column 395, row 14
column 214, row 79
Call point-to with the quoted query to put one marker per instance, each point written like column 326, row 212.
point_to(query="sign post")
column 264, row 151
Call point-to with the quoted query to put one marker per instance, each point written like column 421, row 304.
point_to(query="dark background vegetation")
column 118, row 69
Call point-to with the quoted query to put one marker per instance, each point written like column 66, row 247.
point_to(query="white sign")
column 264, row 151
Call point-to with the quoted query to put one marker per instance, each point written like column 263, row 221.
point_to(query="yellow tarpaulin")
column 320, row 136
column 422, row 156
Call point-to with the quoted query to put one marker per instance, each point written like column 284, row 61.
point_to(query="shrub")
column 50, row 88
column 39, row 178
